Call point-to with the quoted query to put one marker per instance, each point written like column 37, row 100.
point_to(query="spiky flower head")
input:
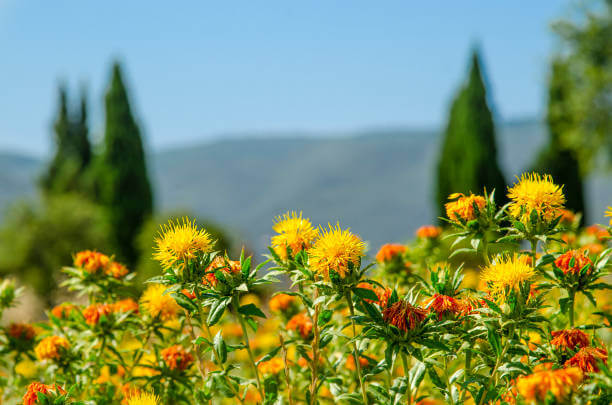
column 281, row 302
column 505, row 274
column 569, row 339
column 334, row 250
column 429, row 232
column 91, row 261
column 158, row 304
column 294, row 233
column 404, row 315
column 176, row 357
column 573, row 261
column 587, row 359
column 143, row 398
column 560, row 383
column 536, row 193
column 51, row 348
column 271, row 367
column 180, row 241
column 21, row 331
column 389, row 251
column 94, row 312
column 443, row 305
column 609, row 214
column 461, row 206
column 31, row 395
column 302, row 324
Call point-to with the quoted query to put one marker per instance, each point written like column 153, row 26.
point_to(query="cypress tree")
column 468, row 161
column 123, row 184
column 555, row 159
column 73, row 152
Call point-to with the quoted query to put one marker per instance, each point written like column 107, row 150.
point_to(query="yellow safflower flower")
column 535, row 192
column 157, row 304
column 294, row 232
column 506, row 273
column 179, row 242
column 334, row 250
column 51, row 348
column 143, row 398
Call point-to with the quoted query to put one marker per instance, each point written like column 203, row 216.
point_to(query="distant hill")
column 378, row 182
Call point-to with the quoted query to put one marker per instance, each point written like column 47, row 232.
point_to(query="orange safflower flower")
column 94, row 312
column 273, row 366
column 580, row 260
column 560, row 383
column 51, row 348
column 389, row 251
column 463, row 206
column 569, row 339
column 176, row 357
column 302, row 324
column 21, row 331
column 429, row 232
column 404, row 316
column 593, row 248
column 350, row 362
column 598, row 231
column 587, row 358
column 117, row 270
column 567, row 216
column 62, row 311
column 125, row 305
column 91, row 261
column 31, row 395
column 443, row 305
column 188, row 294
column 221, row 264
column 383, row 294
column 281, row 302
column 129, row 391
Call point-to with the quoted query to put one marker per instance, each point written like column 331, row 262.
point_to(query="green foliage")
column 147, row 267
column 122, row 183
column 73, row 151
column 468, row 162
column 556, row 159
column 36, row 240
column 587, row 52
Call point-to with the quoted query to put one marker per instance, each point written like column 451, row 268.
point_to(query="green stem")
column 406, row 371
column 572, row 297
column 534, row 249
column 236, row 305
column 468, row 370
column 448, row 384
column 356, row 356
column 140, row 351
column 315, row 351
column 498, row 362
column 485, row 250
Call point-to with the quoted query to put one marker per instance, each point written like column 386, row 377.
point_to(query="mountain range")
column 378, row 182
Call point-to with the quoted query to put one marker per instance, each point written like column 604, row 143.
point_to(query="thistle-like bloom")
column 91, row 261
column 443, row 305
column 94, row 312
column 302, row 324
column 463, row 206
column 535, row 192
column 587, row 358
column 126, row 305
column 569, row 339
column 429, row 232
column 573, row 261
column 609, row 214
column 383, row 294
column 389, row 251
column 31, row 395
column 294, row 233
column 177, row 358
column 116, row 270
column 221, row 264
column 507, row 273
column 62, row 311
column 273, row 366
column 51, row 348
column 567, row 216
column 334, row 250
column 179, row 242
column 143, row 398
column 159, row 305
column 404, row 316
column 560, row 383
column 21, row 331
column 281, row 302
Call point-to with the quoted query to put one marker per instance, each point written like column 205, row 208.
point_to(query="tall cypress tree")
column 123, row 184
column 555, row 159
column 468, row 161
column 82, row 147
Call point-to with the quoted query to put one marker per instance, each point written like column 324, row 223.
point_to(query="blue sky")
column 200, row 69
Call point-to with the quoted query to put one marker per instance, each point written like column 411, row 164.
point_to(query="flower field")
column 504, row 304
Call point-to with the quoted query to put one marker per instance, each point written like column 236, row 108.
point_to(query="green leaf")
column 184, row 301
column 494, row 340
column 216, row 311
column 220, row 347
column 324, row 317
column 251, row 310
column 365, row 294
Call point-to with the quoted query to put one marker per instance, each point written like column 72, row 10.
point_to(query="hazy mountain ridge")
column 379, row 182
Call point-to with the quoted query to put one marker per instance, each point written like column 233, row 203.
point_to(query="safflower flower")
column 506, row 273
column 21, row 331
column 443, row 305
column 143, row 398
column 586, row 359
column 404, row 316
column 222, row 264
column 560, row 383
column 31, row 395
column 334, row 250
column 536, row 193
column 281, row 302
column 91, row 261
column 462, row 208
column 302, row 324
column 294, row 233
column 51, row 348
column 569, row 339
column 179, row 242
column 389, row 251
column 94, row 312
column 177, row 358
column 383, row 294
column 429, row 232
column 577, row 257
column 273, row 366
column 158, row 304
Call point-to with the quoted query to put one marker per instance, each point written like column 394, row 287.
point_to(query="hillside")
column 378, row 182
